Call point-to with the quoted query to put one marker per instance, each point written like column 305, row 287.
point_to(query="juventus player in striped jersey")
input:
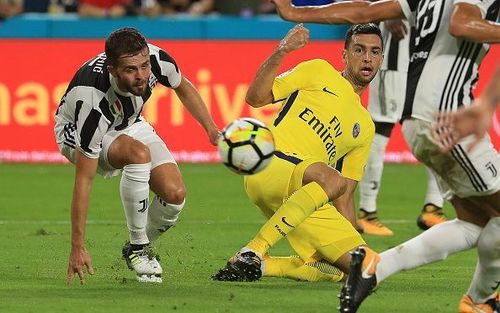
column 386, row 101
column 99, row 128
column 451, row 39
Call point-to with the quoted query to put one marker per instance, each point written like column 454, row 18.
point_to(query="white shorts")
column 459, row 172
column 387, row 96
column 140, row 131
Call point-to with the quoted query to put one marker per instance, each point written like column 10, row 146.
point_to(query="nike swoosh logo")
column 286, row 223
column 330, row 92
column 365, row 272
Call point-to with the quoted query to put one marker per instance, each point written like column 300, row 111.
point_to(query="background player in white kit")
column 450, row 42
column 386, row 100
column 99, row 128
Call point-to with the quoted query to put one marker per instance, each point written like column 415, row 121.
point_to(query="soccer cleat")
column 371, row 225
column 431, row 215
column 361, row 279
column 144, row 262
column 245, row 266
column 468, row 306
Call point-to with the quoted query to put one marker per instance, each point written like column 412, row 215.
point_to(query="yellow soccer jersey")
column 322, row 117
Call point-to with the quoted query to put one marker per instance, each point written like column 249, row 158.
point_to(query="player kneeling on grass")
column 323, row 136
column 99, row 128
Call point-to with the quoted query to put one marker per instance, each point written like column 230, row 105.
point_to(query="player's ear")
column 111, row 70
column 344, row 56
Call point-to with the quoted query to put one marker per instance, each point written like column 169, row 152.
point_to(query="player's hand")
column 78, row 258
column 296, row 38
column 397, row 28
column 213, row 134
column 453, row 126
column 282, row 7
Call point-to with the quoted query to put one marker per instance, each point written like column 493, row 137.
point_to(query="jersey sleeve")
column 164, row 68
column 352, row 165
column 305, row 75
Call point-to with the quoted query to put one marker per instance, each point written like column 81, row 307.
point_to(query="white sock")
column 433, row 194
column 161, row 217
column 370, row 184
column 487, row 276
column 134, row 191
column 432, row 245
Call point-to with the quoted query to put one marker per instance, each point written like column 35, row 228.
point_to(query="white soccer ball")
column 246, row 146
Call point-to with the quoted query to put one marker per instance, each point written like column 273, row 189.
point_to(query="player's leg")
column 432, row 212
column 369, row 186
column 170, row 191
column 294, row 267
column 318, row 184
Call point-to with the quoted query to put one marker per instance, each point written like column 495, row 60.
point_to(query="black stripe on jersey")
column 286, row 107
column 104, row 106
column 88, row 129
column 128, row 111
column 89, row 75
column 468, row 75
column 156, row 69
column 456, row 152
column 167, row 58
column 340, row 164
column 286, row 157
column 453, row 93
column 392, row 56
column 472, row 168
column 78, row 107
column 417, row 65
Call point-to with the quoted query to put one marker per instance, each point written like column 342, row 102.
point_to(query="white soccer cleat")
column 144, row 262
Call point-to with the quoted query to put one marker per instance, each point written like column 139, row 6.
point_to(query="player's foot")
column 431, row 215
column 371, row 225
column 361, row 279
column 468, row 306
column 144, row 261
column 244, row 266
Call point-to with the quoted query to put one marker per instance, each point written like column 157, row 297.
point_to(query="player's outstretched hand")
column 78, row 258
column 296, row 38
column 453, row 126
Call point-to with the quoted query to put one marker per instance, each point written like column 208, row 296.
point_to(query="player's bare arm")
column 79, row 257
column 467, row 23
column 397, row 28
column 348, row 12
column 259, row 93
column 192, row 100
column 345, row 203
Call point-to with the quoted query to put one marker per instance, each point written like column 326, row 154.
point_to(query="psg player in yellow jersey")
column 323, row 136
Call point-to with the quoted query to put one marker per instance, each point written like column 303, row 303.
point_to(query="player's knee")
column 139, row 154
column 489, row 241
column 333, row 183
column 175, row 195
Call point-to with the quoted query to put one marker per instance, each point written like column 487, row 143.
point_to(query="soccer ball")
column 246, row 146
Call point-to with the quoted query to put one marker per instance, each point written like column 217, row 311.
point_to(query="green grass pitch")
column 217, row 220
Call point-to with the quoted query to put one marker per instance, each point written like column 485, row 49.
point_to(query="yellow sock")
column 294, row 211
column 293, row 267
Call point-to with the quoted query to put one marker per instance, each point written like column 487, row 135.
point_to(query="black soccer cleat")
column 241, row 267
column 360, row 282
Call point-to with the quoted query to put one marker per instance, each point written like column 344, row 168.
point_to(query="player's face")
column 363, row 58
column 132, row 72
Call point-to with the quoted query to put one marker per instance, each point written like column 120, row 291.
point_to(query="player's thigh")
column 460, row 172
column 387, row 95
column 325, row 233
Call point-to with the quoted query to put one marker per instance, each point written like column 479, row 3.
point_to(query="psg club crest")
column 355, row 130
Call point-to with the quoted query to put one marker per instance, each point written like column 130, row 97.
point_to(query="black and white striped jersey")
column 443, row 69
column 396, row 52
column 93, row 105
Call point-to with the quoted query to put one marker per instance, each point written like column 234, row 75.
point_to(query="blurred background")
column 218, row 45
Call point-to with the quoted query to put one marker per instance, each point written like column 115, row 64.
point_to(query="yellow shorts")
column 325, row 234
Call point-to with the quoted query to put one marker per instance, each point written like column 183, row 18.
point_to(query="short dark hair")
column 123, row 41
column 369, row 28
